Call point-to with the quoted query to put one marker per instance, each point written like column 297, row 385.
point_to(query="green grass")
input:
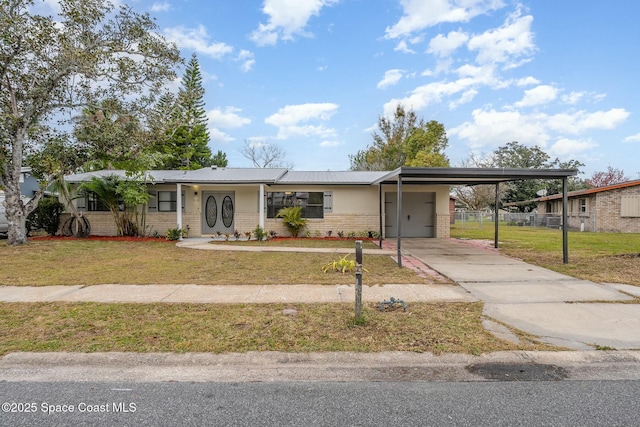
column 600, row 257
column 221, row 328
column 87, row 262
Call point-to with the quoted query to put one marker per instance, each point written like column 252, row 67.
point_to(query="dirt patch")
column 632, row 255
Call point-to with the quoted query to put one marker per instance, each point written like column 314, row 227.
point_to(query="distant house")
column 614, row 208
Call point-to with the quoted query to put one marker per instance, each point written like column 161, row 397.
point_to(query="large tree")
column 182, row 120
column 265, row 155
column 51, row 66
column 609, row 177
column 403, row 140
column 516, row 155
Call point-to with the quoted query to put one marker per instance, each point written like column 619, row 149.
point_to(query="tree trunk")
column 16, row 210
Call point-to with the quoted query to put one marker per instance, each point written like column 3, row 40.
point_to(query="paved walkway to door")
column 561, row 310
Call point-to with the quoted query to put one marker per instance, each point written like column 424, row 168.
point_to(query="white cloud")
column 391, row 77
column 466, row 97
column 581, row 121
column 573, row 147
column 491, row 128
column 198, row 40
column 428, row 94
column 286, row 19
column 573, row 97
column 542, row 94
column 291, row 120
column 160, row 7
column 247, row 59
column 528, row 81
column 403, row 47
column 421, row 14
column 228, row 118
column 442, row 45
column 632, row 138
column 513, row 40
column 217, row 136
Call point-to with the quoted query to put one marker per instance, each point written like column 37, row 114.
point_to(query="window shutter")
column 152, row 204
column 81, row 202
column 328, row 202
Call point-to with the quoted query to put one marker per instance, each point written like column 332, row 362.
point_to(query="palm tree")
column 292, row 219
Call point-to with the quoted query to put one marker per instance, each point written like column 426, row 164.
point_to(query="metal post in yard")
column 358, row 280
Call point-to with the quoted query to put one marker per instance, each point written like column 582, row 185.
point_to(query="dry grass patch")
column 93, row 327
column 85, row 262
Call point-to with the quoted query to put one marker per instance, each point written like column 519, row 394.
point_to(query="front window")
column 312, row 203
column 167, row 201
column 95, row 204
column 582, row 206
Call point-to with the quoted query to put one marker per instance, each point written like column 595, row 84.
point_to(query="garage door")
column 418, row 213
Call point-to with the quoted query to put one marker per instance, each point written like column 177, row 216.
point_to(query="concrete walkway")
column 559, row 309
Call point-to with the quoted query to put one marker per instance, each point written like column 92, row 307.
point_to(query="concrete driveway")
column 559, row 309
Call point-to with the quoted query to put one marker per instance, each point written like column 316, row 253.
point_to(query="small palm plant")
column 292, row 219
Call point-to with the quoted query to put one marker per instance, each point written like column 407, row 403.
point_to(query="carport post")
column 495, row 240
column 380, row 213
column 399, row 220
column 179, row 208
column 565, row 222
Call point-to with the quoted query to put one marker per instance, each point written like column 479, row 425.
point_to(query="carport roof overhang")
column 470, row 176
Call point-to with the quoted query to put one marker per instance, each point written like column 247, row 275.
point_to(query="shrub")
column 292, row 219
column 46, row 216
column 174, row 233
column 259, row 233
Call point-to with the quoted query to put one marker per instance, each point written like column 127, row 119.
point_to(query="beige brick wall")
column 607, row 209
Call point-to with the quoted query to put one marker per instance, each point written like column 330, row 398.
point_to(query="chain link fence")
column 582, row 221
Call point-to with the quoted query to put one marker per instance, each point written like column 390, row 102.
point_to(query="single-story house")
column 226, row 199
column 406, row 202
column 613, row 208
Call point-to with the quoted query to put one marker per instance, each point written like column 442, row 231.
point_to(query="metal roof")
column 470, row 176
column 331, row 177
column 227, row 176
column 444, row 176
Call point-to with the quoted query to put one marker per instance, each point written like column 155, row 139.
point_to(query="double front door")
column 217, row 212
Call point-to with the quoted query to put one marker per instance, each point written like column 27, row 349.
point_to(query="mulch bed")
column 105, row 238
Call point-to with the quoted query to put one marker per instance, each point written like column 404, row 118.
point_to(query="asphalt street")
column 519, row 403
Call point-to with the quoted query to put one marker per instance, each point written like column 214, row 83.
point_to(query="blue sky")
column 312, row 76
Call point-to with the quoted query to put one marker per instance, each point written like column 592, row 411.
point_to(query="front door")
column 217, row 212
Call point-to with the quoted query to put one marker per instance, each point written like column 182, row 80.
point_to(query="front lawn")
column 89, row 262
column 223, row 328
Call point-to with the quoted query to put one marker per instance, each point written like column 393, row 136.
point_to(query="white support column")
column 261, row 207
column 179, row 207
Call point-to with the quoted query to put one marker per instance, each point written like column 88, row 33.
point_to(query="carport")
column 404, row 176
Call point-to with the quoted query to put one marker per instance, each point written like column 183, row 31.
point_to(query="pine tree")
column 183, row 135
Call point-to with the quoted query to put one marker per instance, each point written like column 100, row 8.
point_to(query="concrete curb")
column 335, row 366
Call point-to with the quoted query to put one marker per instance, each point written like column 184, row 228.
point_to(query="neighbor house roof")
column 588, row 191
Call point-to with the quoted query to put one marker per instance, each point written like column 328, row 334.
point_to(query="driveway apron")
column 559, row 309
